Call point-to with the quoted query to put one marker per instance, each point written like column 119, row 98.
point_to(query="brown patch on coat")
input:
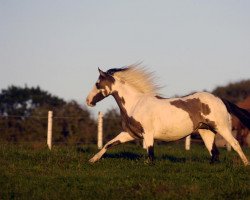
column 129, row 124
column 132, row 126
column 160, row 97
column 196, row 111
column 101, row 84
column 105, row 81
column 98, row 97
column 123, row 101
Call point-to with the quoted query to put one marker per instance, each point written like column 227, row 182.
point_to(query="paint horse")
column 146, row 115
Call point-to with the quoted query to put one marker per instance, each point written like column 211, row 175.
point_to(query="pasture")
column 28, row 172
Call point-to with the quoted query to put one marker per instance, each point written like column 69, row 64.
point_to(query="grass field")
column 64, row 173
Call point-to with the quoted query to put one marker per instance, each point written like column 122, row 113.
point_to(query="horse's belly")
column 174, row 132
column 166, row 136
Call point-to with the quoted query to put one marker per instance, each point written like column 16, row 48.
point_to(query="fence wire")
column 40, row 117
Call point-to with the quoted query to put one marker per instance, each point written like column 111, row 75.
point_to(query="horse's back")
column 175, row 118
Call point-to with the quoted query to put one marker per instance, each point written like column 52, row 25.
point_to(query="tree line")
column 24, row 110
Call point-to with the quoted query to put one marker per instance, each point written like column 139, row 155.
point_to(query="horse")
column 147, row 116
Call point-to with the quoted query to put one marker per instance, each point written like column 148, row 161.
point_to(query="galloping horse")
column 146, row 115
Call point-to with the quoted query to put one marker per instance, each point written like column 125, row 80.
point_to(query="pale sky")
column 58, row 44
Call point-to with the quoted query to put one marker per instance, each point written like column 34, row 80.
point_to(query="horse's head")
column 101, row 89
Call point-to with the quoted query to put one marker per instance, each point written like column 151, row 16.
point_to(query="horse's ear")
column 102, row 73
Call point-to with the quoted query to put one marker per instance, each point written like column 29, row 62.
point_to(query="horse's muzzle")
column 91, row 104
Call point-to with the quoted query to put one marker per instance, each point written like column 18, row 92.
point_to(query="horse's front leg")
column 149, row 142
column 121, row 138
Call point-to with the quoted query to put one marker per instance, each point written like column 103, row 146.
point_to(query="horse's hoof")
column 212, row 162
column 93, row 160
column 149, row 162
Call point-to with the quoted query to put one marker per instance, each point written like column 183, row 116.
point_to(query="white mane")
column 139, row 78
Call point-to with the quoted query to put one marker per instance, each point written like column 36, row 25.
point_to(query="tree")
column 21, row 101
column 234, row 92
column 23, row 117
column 74, row 124
column 16, row 104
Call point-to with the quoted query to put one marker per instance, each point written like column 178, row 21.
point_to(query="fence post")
column 144, row 144
column 49, row 132
column 229, row 147
column 188, row 142
column 100, row 131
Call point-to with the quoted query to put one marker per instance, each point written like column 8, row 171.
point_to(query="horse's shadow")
column 138, row 156
column 173, row 159
column 135, row 156
column 124, row 155
column 85, row 149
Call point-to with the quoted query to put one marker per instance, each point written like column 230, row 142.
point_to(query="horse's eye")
column 97, row 85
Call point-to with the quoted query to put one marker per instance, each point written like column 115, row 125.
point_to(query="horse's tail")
column 242, row 114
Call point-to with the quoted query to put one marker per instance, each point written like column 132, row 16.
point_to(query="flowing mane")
column 138, row 77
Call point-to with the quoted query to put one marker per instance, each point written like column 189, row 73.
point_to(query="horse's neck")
column 126, row 98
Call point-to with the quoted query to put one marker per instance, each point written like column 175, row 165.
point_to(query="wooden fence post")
column 49, row 132
column 188, row 142
column 228, row 146
column 144, row 144
column 100, row 131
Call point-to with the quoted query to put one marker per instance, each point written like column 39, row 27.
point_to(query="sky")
column 58, row 44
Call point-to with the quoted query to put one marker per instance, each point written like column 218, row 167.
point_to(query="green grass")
column 64, row 173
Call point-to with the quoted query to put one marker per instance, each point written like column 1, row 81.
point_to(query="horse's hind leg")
column 208, row 138
column 227, row 135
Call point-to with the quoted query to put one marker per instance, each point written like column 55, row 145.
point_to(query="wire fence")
column 47, row 138
column 39, row 117
column 47, row 129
